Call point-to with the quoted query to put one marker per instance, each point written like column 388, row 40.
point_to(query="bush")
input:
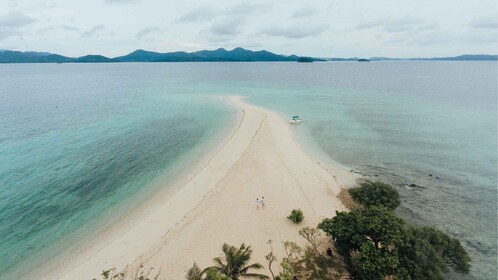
column 376, row 244
column 296, row 216
column 140, row 273
column 376, row 194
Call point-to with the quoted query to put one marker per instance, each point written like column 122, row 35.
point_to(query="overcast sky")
column 396, row 28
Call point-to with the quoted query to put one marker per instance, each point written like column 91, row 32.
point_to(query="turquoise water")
column 79, row 141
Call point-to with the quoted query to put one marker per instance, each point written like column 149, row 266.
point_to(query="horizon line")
column 260, row 50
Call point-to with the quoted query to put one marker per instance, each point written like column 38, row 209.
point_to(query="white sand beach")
column 217, row 204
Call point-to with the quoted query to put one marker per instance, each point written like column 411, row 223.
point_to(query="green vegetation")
column 194, row 273
column 376, row 244
column 376, row 194
column 427, row 253
column 232, row 266
column 305, row 59
column 210, row 273
column 296, row 216
column 234, row 263
column 365, row 238
column 370, row 242
column 139, row 274
column 308, row 263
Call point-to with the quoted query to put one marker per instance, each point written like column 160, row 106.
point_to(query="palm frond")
column 194, row 273
column 252, row 266
column 255, row 276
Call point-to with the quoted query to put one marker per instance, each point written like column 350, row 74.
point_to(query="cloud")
column 393, row 25
column 6, row 32
column 304, row 12
column 69, row 28
column 250, row 45
column 199, row 14
column 296, row 31
column 428, row 26
column 12, row 23
column 447, row 38
column 58, row 29
column 121, row 1
column 147, row 31
column 96, row 31
column 232, row 19
column 207, row 13
column 247, row 9
column 14, row 20
column 488, row 22
column 432, row 38
column 228, row 26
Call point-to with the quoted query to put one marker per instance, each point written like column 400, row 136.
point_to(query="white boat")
column 296, row 119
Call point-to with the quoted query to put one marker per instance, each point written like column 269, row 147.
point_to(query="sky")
column 320, row 28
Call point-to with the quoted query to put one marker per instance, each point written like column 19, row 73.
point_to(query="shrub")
column 376, row 244
column 140, row 273
column 376, row 194
column 296, row 216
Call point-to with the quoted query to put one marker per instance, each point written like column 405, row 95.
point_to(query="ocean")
column 83, row 144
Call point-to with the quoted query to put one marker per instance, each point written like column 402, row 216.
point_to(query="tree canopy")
column 234, row 263
column 427, row 253
column 367, row 239
column 376, row 194
column 375, row 243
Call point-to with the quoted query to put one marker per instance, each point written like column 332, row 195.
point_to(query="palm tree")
column 194, row 273
column 234, row 264
column 210, row 273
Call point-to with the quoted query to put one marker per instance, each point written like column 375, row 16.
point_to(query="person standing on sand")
column 262, row 202
column 257, row 203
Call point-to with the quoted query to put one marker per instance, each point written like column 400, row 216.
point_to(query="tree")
column 375, row 264
column 427, row 253
column 308, row 263
column 375, row 244
column 376, row 194
column 194, row 273
column 234, row 263
column 210, row 273
column 367, row 239
column 270, row 258
column 350, row 230
column 312, row 235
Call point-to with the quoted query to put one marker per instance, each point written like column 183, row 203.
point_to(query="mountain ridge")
column 218, row 55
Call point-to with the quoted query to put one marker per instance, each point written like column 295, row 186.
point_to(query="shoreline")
column 164, row 189
column 144, row 234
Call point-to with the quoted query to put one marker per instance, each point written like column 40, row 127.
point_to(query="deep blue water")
column 79, row 141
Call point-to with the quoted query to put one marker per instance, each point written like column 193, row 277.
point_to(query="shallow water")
column 79, row 140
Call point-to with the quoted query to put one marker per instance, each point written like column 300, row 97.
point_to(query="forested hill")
column 237, row 54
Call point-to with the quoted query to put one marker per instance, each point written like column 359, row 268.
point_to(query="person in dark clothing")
column 329, row 252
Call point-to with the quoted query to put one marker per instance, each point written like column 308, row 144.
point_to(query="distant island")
column 218, row 55
column 305, row 59
column 465, row 57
